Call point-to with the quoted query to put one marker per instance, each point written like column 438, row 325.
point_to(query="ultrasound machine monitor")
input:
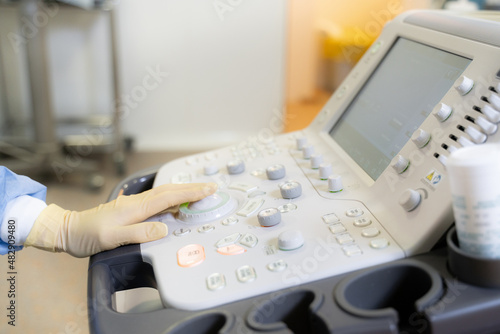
column 365, row 183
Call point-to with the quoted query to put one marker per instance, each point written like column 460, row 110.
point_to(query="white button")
column 316, row 160
column 230, row 239
column 442, row 112
column 464, row 85
column 362, row 222
column 290, row 240
column 287, row 207
column 379, row 243
column 352, row 250
column 181, row 177
column 370, row 232
column 206, row 228
column 325, row 170
column 301, row 142
column 245, row 274
column 400, row 164
column 355, row 212
column 245, row 187
column 485, row 125
column 216, row 281
column 210, row 169
column 477, row 136
column 330, row 218
column 494, row 99
column 182, row 231
column 337, row 228
column 344, row 238
column 335, row 183
column 252, row 205
column 210, row 156
column 464, row 141
column 307, row 151
column 249, row 240
column 410, row 199
column 491, row 114
column 192, row 161
column 421, row 138
column 229, row 221
column 277, row 266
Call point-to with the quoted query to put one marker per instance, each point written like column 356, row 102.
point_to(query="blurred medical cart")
column 47, row 144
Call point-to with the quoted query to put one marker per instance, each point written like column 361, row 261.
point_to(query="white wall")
column 194, row 74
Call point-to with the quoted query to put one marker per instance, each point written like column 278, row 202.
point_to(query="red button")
column 190, row 255
column 231, row 250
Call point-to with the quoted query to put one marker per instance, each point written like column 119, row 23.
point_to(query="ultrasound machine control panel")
column 365, row 183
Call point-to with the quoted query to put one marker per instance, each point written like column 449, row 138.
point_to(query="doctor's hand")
column 113, row 224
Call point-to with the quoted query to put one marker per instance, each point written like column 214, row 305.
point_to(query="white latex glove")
column 113, row 224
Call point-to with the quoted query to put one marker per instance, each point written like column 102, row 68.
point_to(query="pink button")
column 231, row 250
column 190, row 255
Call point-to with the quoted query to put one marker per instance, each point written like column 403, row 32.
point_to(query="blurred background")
column 92, row 91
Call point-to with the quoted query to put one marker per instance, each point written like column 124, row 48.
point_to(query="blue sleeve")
column 13, row 186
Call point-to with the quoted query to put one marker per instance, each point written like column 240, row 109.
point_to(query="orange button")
column 190, row 255
column 231, row 250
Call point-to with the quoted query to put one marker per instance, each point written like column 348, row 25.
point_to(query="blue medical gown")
column 13, row 186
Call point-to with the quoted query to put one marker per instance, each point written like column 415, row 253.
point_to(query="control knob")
column 316, row 161
column 235, row 167
column 290, row 240
column 269, row 217
column 307, row 151
column 443, row 112
column 410, row 199
column 290, row 189
column 335, row 183
column 275, row 172
column 325, row 170
column 421, row 138
column 464, row 85
column 207, row 209
column 400, row 164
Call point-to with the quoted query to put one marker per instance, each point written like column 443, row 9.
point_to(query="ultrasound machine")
column 335, row 225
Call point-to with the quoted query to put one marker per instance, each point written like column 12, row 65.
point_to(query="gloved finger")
column 135, row 234
column 139, row 207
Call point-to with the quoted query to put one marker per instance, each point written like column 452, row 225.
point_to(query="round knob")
column 485, row 125
column 477, row 136
column 207, row 209
column 421, row 138
column 464, row 85
column 210, row 169
column 269, row 217
column 275, row 172
column 335, row 183
column 307, row 151
column 301, row 142
column 400, row 164
column 442, row 112
column 290, row 240
column 325, row 170
column 316, row 160
column 290, row 189
column 235, row 167
column 410, row 199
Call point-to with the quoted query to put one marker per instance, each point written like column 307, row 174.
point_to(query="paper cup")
column 474, row 175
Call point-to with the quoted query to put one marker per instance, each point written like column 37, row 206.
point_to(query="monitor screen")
column 396, row 99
